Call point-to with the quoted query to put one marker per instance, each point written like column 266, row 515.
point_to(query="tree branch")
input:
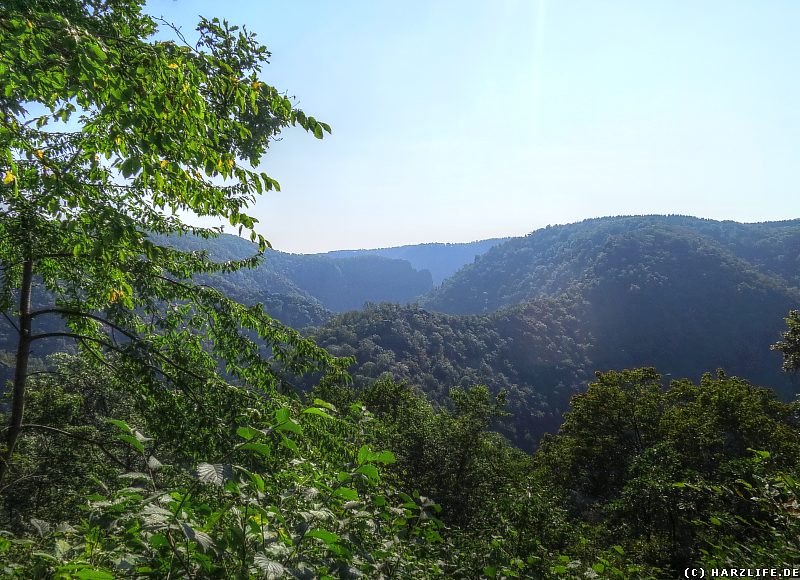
column 11, row 322
column 189, row 391
column 81, row 314
column 78, row 437
column 135, row 339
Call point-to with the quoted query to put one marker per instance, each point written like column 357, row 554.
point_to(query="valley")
column 536, row 316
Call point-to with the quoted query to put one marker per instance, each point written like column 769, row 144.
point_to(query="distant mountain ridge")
column 548, row 260
column 306, row 289
column 315, row 284
column 441, row 260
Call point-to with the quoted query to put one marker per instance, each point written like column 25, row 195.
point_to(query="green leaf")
column 346, row 493
column 324, row 535
column 248, row 432
column 324, row 405
column 288, row 443
column 158, row 541
column 258, row 482
column 363, row 454
column 93, row 574
column 317, row 411
column 260, row 448
column 98, row 52
column 130, row 166
column 385, row 457
column 290, row 426
column 255, row 479
column 369, row 470
column 121, row 425
column 132, row 441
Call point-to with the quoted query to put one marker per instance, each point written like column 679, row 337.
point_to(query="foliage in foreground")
column 639, row 482
column 297, row 492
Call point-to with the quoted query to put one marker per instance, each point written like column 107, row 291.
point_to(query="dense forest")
column 568, row 300
column 535, row 354
column 598, row 400
column 549, row 260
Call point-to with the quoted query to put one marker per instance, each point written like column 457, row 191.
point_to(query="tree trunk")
column 21, row 370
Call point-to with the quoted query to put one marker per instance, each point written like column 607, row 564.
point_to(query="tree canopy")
column 106, row 136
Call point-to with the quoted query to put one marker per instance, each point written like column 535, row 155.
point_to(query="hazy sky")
column 456, row 120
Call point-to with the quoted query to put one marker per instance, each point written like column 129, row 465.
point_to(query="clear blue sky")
column 456, row 120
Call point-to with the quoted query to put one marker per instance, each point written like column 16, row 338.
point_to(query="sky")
column 458, row 120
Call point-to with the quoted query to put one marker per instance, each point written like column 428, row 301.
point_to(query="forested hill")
column 441, row 260
column 674, row 293
column 547, row 261
column 666, row 298
column 302, row 290
column 537, row 353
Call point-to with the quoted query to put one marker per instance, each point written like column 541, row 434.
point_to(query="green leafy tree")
column 613, row 421
column 790, row 345
column 105, row 137
column 631, row 456
column 772, row 533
